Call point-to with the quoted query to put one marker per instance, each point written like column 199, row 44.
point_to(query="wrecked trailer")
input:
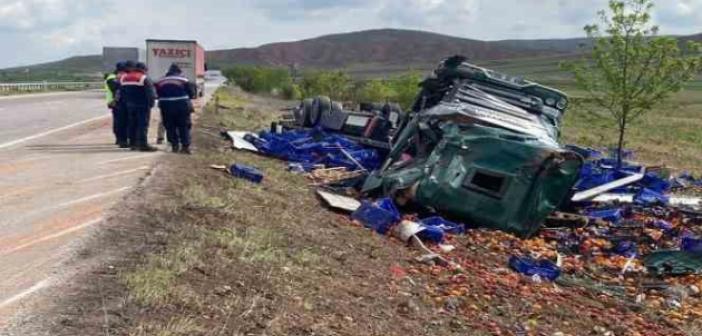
column 482, row 147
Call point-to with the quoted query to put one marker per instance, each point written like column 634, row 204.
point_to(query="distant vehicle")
column 213, row 74
column 113, row 55
column 188, row 55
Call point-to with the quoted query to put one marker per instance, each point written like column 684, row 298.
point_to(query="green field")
column 670, row 135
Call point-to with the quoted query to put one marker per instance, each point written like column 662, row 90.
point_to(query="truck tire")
column 321, row 105
column 304, row 111
column 335, row 119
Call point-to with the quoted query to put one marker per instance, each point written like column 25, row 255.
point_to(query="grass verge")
column 197, row 252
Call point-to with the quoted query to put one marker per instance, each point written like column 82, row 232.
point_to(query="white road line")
column 36, row 158
column 134, row 157
column 125, row 172
column 38, row 286
column 69, row 203
column 48, row 94
column 52, row 236
column 55, row 130
column 89, row 198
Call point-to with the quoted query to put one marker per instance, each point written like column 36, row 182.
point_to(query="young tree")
column 631, row 68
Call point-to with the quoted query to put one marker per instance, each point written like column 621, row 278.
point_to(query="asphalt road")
column 60, row 172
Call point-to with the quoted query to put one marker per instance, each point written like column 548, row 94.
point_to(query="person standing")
column 139, row 96
column 174, row 99
column 120, row 122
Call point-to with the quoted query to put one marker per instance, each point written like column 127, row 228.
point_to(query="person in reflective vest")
column 137, row 91
column 174, row 99
column 120, row 121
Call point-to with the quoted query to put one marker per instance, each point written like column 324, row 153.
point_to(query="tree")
column 406, row 87
column 334, row 84
column 376, row 90
column 631, row 69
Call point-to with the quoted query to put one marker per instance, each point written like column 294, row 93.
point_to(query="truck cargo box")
column 188, row 55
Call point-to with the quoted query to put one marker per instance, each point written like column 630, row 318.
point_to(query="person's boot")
column 147, row 148
column 175, row 148
column 123, row 145
column 185, row 150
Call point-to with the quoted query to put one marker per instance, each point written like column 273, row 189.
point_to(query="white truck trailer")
column 188, row 55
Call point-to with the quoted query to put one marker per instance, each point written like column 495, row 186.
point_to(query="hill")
column 78, row 68
column 385, row 47
column 367, row 53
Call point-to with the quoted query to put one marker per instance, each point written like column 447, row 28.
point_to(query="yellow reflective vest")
column 109, row 95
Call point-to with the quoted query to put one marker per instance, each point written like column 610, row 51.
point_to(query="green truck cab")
column 481, row 147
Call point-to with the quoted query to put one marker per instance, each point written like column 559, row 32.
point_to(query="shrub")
column 337, row 85
column 258, row 79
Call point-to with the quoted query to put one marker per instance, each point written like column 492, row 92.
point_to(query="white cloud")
column 43, row 30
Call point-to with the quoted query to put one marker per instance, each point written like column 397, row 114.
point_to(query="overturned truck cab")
column 482, row 147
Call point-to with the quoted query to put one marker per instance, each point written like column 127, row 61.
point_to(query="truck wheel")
column 301, row 115
column 321, row 105
column 335, row 119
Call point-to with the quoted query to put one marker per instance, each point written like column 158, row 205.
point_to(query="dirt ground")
column 197, row 252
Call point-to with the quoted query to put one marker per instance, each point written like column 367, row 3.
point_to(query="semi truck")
column 113, row 55
column 188, row 55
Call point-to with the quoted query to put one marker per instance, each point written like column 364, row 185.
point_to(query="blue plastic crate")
column 246, row 172
column 379, row 216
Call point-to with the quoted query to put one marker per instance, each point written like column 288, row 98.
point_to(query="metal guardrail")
column 48, row 86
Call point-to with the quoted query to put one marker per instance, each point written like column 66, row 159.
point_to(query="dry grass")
column 244, row 257
column 202, row 253
column 152, row 282
column 178, row 326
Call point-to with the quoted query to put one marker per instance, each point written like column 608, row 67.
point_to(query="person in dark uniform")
column 138, row 93
column 174, row 99
column 120, row 120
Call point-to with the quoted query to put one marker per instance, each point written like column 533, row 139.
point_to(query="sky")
column 33, row 31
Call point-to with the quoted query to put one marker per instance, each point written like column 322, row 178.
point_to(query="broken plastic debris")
column 246, row 172
column 650, row 197
column 601, row 189
column 610, row 215
column 239, row 140
column 626, row 248
column 446, row 226
column 379, row 216
column 406, row 229
column 545, row 269
column 316, row 147
column 690, row 244
column 340, row 202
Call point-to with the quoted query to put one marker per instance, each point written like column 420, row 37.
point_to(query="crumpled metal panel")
column 491, row 111
column 494, row 179
column 482, row 148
